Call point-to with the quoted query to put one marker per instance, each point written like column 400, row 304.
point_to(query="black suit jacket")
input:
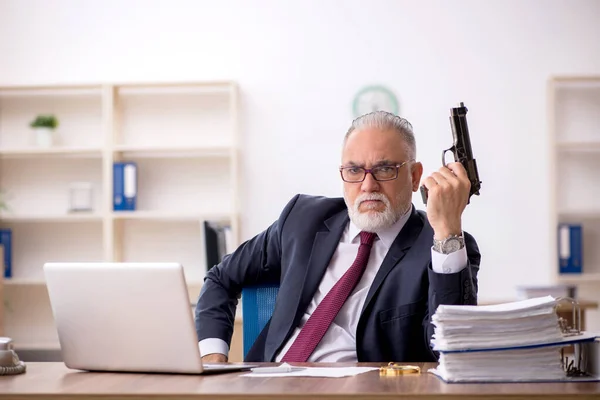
column 295, row 251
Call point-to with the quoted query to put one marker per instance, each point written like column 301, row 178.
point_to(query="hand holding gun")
column 461, row 149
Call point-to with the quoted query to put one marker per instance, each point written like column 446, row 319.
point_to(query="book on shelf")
column 218, row 242
column 6, row 245
column 521, row 341
column 570, row 248
column 125, row 186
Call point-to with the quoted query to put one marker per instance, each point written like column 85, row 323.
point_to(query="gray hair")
column 384, row 120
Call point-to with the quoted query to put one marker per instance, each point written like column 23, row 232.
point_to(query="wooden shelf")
column 579, row 215
column 173, row 152
column 576, row 78
column 577, row 82
column 52, row 218
column 41, row 282
column 187, row 155
column 573, row 127
column 168, row 216
column 592, row 278
column 92, row 152
column 36, row 346
column 23, row 282
column 51, row 91
column 579, row 147
column 176, row 88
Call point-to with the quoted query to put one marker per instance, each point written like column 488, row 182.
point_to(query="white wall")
column 300, row 63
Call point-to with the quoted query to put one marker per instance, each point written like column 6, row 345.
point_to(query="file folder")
column 570, row 248
column 6, row 243
column 124, row 186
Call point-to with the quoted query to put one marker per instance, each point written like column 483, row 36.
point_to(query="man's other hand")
column 214, row 358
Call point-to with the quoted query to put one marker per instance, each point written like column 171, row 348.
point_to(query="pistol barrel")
column 460, row 131
column 463, row 152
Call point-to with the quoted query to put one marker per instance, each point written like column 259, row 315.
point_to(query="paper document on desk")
column 322, row 372
column 526, row 322
column 511, row 342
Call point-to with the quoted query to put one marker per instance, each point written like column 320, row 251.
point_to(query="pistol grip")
column 424, row 193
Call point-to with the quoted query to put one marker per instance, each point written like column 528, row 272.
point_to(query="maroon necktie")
column 318, row 323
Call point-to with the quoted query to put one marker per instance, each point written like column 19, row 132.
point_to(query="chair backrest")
column 258, row 303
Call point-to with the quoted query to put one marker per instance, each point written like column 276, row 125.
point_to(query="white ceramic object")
column 44, row 137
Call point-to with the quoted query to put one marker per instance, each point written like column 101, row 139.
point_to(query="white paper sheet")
column 323, row 372
column 526, row 322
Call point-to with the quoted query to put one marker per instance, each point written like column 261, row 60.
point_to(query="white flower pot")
column 44, row 137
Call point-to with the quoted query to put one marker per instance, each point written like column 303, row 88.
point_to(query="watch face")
column 451, row 245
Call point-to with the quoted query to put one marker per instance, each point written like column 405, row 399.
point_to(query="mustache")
column 371, row 196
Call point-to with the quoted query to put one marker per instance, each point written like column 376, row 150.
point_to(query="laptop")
column 126, row 317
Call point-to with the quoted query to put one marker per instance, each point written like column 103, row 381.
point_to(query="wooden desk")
column 54, row 381
column 236, row 353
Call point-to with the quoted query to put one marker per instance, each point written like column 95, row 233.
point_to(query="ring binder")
column 580, row 349
column 563, row 323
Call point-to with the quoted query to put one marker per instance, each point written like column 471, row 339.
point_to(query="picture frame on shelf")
column 81, row 197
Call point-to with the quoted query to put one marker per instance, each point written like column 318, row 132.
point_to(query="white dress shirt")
column 339, row 342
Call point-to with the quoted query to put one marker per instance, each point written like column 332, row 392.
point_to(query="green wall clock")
column 374, row 98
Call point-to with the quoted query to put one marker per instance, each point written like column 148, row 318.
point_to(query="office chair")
column 258, row 303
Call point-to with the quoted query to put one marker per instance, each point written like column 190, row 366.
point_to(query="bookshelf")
column 574, row 124
column 184, row 139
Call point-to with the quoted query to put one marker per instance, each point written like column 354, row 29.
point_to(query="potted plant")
column 44, row 126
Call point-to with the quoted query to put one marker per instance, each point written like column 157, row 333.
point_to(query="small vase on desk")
column 44, row 137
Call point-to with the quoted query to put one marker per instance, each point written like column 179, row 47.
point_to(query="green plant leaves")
column 44, row 121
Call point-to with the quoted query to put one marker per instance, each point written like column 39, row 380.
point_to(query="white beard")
column 373, row 221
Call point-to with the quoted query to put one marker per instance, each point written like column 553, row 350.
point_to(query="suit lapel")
column 324, row 245
column 401, row 245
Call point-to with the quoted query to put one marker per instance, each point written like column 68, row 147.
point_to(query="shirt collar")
column 387, row 236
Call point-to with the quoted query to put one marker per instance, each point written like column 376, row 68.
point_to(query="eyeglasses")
column 379, row 173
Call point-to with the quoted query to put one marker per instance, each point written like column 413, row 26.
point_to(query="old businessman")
column 360, row 276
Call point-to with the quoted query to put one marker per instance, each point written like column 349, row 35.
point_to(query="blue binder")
column 6, row 242
column 124, row 186
column 570, row 248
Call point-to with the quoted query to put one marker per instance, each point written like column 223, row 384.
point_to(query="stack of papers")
column 517, row 365
column 518, row 341
column 532, row 321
